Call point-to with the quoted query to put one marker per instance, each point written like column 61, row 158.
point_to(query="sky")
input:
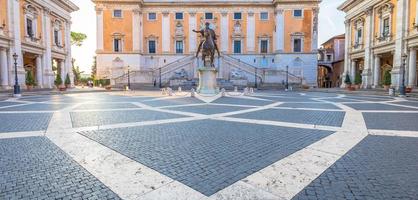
column 331, row 23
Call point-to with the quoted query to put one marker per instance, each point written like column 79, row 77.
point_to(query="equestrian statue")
column 207, row 45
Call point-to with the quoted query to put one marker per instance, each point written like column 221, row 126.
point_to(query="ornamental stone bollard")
column 179, row 89
column 235, row 89
column 223, row 93
column 192, row 94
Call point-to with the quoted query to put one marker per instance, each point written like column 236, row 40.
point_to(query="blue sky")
column 331, row 23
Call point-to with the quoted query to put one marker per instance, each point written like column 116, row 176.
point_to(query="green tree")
column 77, row 39
column 29, row 79
column 67, row 80
column 387, row 78
column 358, row 79
column 347, row 79
column 94, row 69
column 58, row 80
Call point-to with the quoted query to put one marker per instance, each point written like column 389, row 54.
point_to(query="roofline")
column 346, row 4
column 340, row 36
column 72, row 7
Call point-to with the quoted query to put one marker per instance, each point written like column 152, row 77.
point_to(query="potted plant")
column 58, row 83
column 357, row 81
column 67, row 81
column 30, row 81
column 108, row 87
column 347, row 81
column 408, row 90
column 387, row 80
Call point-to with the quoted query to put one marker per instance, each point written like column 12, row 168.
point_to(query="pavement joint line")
column 393, row 133
column 185, row 105
column 400, row 105
column 27, row 111
column 307, row 109
column 388, row 111
column 7, row 135
column 17, row 105
column 190, row 114
column 247, row 110
column 233, row 105
column 106, row 109
column 164, row 98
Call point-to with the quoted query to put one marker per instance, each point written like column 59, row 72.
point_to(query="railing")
column 243, row 66
column 164, row 73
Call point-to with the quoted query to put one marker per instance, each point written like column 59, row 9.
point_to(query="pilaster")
column 401, row 27
column 4, row 79
column 250, row 32
column 412, row 75
column 99, row 28
column 367, row 74
column 166, row 32
column 136, row 29
column 224, row 31
column 347, row 59
column 315, row 12
column 192, row 35
column 279, row 39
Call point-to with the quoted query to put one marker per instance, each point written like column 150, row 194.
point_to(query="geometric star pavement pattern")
column 271, row 145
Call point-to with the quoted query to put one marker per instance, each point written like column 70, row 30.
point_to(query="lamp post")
column 16, row 87
column 287, row 78
column 129, row 78
column 255, row 78
column 402, row 87
column 159, row 79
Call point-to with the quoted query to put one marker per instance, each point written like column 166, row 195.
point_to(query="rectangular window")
column 179, row 15
column 208, row 15
column 151, row 46
column 386, row 27
column 152, row 16
column 297, row 13
column 179, row 46
column 56, row 38
column 264, row 46
column 29, row 27
column 359, row 35
column 117, row 45
column 237, row 46
column 237, row 16
column 297, row 45
column 264, row 15
column 117, row 13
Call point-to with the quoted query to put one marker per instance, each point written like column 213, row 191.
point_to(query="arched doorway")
column 325, row 76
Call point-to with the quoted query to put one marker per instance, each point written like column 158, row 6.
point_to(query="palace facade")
column 381, row 36
column 154, row 40
column 331, row 62
column 39, row 33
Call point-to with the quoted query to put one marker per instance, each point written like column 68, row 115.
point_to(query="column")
column 353, row 70
column 412, row 78
column 279, row 47
column 376, row 76
column 166, row 32
column 366, row 76
column 401, row 11
column 347, row 47
column 99, row 26
column 192, row 35
column 39, row 71
column 63, row 72
column 48, row 75
column 136, row 26
column 250, row 32
column 68, row 59
column 3, row 69
column 16, row 44
column 224, row 32
column 315, row 29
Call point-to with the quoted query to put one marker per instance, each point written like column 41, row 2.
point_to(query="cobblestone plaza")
column 268, row 145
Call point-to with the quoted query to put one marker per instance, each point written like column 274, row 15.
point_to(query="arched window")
column 31, row 15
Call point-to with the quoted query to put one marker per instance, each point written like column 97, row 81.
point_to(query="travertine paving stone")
column 379, row 167
column 34, row 168
column 407, row 103
column 310, row 105
column 207, row 155
column 94, row 106
column 208, row 109
column 19, row 122
column 377, row 106
column 8, row 103
column 392, row 121
column 172, row 102
column 98, row 118
column 326, row 118
column 241, row 101
column 37, row 107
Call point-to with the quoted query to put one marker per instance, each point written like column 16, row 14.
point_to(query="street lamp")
column 402, row 87
column 287, row 78
column 159, row 80
column 255, row 78
column 129, row 79
column 16, row 87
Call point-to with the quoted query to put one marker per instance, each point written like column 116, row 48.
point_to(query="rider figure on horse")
column 208, row 43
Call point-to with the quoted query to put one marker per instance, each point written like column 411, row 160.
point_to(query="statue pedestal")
column 207, row 80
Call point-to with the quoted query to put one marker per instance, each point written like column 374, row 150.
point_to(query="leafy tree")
column 357, row 79
column 29, row 79
column 387, row 78
column 67, row 80
column 94, row 68
column 58, row 80
column 347, row 79
column 77, row 39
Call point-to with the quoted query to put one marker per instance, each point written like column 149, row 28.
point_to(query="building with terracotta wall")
column 39, row 33
column 331, row 62
column 381, row 36
column 257, row 39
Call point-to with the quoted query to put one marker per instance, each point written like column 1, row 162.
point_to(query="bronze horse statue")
column 207, row 44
